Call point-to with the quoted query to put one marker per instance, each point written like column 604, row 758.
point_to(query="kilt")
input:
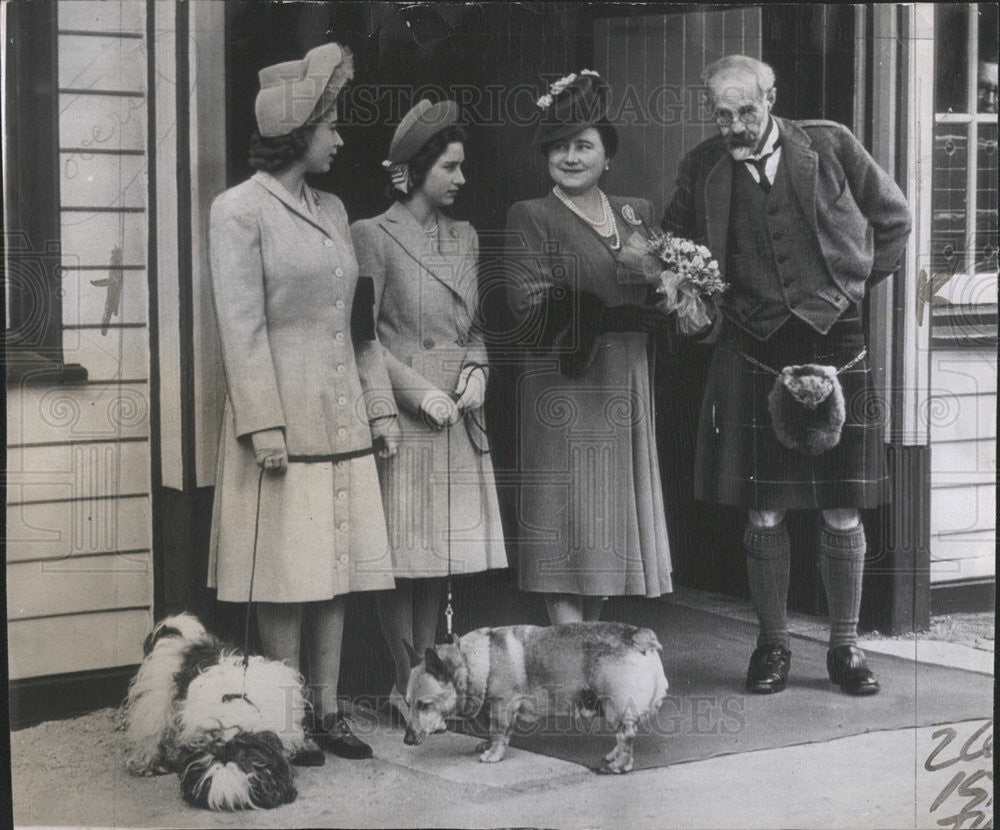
column 739, row 460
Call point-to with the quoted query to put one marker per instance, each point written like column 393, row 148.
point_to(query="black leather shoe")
column 848, row 669
column 309, row 756
column 336, row 736
column 768, row 670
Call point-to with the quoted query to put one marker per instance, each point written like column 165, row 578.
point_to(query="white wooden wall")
column 962, row 412
column 79, row 564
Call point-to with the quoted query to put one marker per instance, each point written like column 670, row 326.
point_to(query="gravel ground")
column 975, row 630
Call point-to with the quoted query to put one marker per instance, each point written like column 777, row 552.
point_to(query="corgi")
column 587, row 669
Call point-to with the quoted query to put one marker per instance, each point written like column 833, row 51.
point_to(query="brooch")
column 630, row 216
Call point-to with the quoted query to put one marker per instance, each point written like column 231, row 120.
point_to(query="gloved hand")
column 387, row 429
column 471, row 387
column 439, row 409
column 270, row 451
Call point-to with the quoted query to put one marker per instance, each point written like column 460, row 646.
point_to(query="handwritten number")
column 964, row 754
column 949, row 734
column 967, row 813
column 949, row 788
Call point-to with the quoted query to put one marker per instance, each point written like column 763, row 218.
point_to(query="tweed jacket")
column 283, row 279
column 857, row 213
column 426, row 301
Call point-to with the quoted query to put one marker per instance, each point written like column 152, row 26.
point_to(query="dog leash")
column 849, row 365
column 377, row 444
column 449, row 612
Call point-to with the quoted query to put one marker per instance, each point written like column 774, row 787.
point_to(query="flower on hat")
column 559, row 86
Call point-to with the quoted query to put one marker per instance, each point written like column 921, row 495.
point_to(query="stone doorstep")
column 452, row 756
column 937, row 652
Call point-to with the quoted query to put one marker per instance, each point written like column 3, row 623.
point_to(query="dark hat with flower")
column 572, row 104
column 295, row 93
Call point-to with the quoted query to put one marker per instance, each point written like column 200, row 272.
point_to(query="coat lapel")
column 575, row 221
column 803, row 166
column 445, row 265
column 637, row 265
column 718, row 195
column 277, row 189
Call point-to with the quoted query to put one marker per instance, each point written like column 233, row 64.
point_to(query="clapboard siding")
column 969, row 372
column 94, row 412
column 107, row 121
column 963, row 509
column 963, row 462
column 94, row 62
column 121, row 354
column 91, row 238
column 62, row 529
column 952, row 570
column 975, row 545
column 76, row 642
column 961, row 413
column 103, row 16
column 963, row 418
column 90, row 179
column 85, row 303
column 77, row 471
column 78, row 585
column 78, row 518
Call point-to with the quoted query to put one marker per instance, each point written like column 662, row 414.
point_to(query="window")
column 33, row 261
column 964, row 178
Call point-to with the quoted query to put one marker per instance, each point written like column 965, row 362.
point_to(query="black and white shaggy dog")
column 229, row 732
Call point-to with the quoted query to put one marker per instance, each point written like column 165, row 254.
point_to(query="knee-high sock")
column 842, row 565
column 767, row 555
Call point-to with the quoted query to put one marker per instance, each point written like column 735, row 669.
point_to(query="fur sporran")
column 807, row 411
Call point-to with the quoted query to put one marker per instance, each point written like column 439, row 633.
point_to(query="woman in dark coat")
column 283, row 276
column 590, row 513
column 440, row 499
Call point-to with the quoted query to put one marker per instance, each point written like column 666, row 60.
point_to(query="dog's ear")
column 411, row 652
column 435, row 666
column 158, row 634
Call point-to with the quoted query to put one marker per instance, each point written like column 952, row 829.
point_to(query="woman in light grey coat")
column 424, row 269
column 299, row 403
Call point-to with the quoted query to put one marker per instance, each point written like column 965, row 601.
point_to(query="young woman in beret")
column 310, row 529
column 439, row 494
column 590, row 512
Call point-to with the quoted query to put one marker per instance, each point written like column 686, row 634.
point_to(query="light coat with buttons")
column 426, row 311
column 283, row 277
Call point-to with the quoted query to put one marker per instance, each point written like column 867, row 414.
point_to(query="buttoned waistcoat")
column 852, row 207
column 283, row 277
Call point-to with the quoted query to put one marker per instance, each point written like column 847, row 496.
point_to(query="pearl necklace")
column 607, row 219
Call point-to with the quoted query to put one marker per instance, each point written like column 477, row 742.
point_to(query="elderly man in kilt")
column 803, row 222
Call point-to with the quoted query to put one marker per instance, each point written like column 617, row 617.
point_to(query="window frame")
column 942, row 309
column 31, row 235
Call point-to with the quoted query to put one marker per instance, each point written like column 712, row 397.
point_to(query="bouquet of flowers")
column 690, row 280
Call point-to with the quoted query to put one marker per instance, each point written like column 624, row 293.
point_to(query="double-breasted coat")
column 590, row 512
column 426, row 306
column 283, row 276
